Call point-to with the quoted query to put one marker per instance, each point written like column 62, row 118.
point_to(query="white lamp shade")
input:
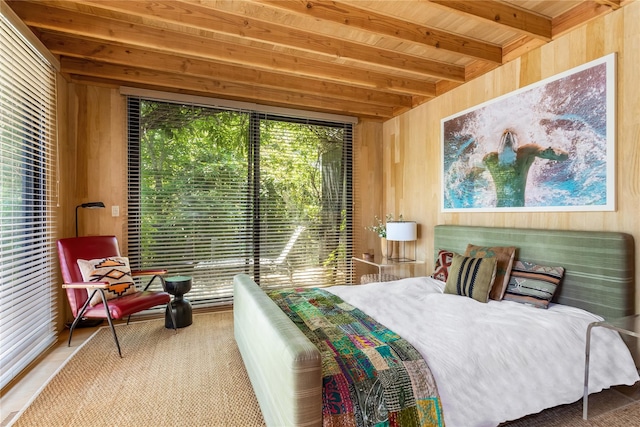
column 402, row 231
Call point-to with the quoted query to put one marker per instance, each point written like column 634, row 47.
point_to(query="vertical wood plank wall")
column 64, row 186
column 94, row 156
column 367, row 183
column 92, row 164
column 412, row 146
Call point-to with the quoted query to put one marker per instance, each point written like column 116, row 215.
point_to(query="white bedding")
column 497, row 361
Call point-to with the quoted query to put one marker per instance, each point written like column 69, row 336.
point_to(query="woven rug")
column 609, row 408
column 197, row 378
column 193, row 378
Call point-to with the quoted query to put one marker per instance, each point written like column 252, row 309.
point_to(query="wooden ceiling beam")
column 114, row 31
column 345, row 56
column 210, row 20
column 134, row 76
column 106, row 82
column 372, row 22
column 475, row 69
column 579, row 15
column 120, row 55
column 614, row 4
column 505, row 14
column 519, row 47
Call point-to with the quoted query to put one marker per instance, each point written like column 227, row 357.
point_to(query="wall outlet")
column 115, row 210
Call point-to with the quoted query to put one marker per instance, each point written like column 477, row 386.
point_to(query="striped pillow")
column 471, row 277
column 533, row 284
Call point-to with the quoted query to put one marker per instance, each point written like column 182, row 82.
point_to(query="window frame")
column 253, row 175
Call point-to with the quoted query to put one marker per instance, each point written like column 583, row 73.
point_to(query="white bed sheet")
column 498, row 361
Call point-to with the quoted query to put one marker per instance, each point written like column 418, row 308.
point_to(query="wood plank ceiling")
column 373, row 59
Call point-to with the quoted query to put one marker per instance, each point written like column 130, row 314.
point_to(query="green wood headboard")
column 599, row 266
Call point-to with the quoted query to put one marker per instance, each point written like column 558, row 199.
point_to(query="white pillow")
column 114, row 270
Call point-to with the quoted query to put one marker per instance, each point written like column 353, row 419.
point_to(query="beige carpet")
column 193, row 378
column 196, row 378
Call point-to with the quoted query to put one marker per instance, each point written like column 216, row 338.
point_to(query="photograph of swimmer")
column 545, row 147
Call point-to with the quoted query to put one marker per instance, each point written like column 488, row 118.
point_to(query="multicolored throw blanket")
column 370, row 375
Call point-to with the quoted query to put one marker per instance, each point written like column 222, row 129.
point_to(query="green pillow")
column 471, row 277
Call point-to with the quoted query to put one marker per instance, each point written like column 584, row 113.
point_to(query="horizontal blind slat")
column 28, row 307
column 214, row 193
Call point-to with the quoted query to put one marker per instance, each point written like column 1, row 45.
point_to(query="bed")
column 484, row 386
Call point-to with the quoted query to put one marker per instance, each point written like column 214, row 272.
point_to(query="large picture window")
column 216, row 192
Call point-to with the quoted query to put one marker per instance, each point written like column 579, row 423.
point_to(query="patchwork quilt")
column 370, row 375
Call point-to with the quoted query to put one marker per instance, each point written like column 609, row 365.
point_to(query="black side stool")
column 178, row 286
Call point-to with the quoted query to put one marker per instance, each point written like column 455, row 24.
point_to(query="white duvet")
column 497, row 361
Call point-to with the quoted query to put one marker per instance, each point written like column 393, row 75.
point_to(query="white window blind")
column 217, row 192
column 27, row 186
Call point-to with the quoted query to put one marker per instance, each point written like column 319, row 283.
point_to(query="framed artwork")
column 546, row 147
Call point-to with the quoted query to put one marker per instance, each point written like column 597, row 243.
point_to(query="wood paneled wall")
column 412, row 146
column 94, row 161
column 367, row 182
column 92, row 164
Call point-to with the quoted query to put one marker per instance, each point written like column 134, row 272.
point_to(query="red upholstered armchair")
column 80, row 292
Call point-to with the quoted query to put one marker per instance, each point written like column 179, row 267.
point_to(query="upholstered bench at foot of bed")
column 284, row 367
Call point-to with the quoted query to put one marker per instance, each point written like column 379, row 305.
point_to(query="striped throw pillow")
column 533, row 284
column 471, row 277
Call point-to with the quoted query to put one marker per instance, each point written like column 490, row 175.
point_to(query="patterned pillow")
column 114, row 270
column 443, row 262
column 533, row 284
column 504, row 256
column 471, row 277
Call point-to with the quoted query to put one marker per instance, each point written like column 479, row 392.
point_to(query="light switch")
column 115, row 210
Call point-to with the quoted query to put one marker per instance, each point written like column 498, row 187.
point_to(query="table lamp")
column 402, row 231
